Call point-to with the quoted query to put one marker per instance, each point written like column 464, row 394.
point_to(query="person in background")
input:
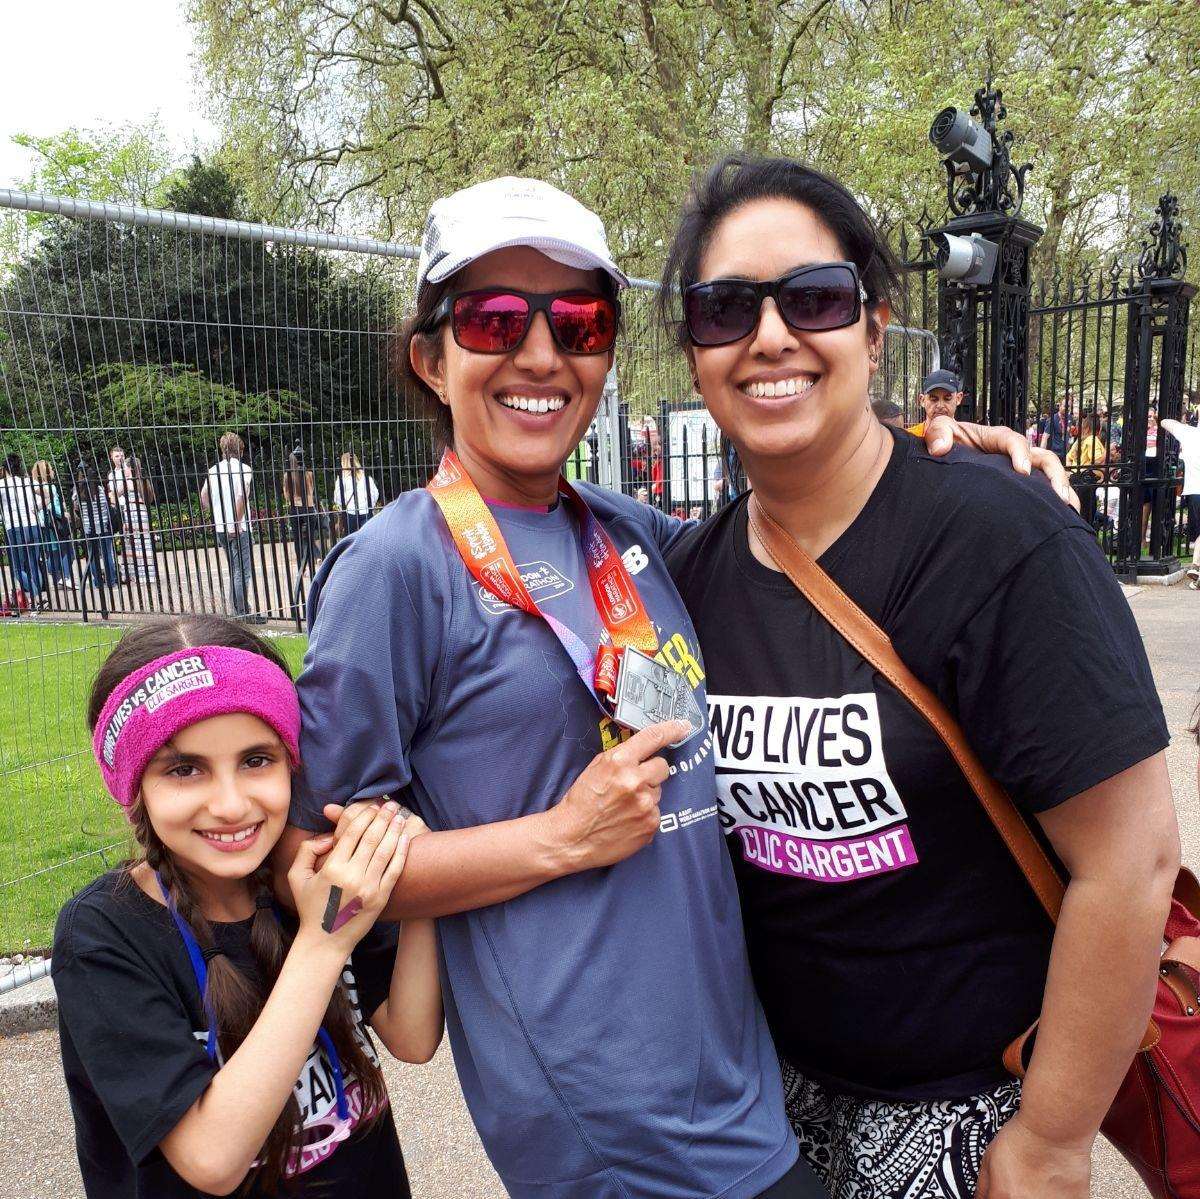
column 20, row 513
column 300, row 495
column 642, row 495
column 1087, row 450
column 92, row 510
column 132, row 493
column 941, row 394
column 226, row 494
column 355, row 494
column 116, row 483
column 1151, row 470
column 1057, row 431
column 56, row 525
column 888, row 413
column 1188, row 437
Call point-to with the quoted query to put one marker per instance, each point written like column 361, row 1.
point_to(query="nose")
column 538, row 353
column 774, row 335
column 228, row 802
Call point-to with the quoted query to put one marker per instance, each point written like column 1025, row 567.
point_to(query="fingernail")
column 391, row 806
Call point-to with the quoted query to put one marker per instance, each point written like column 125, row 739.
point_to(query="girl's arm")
column 1120, row 843
column 409, row 1022
column 215, row 1143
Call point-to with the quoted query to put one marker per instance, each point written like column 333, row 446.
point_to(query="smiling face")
column 780, row 392
column 517, row 416
column 217, row 795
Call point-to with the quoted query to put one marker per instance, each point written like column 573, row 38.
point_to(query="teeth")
column 532, row 404
column 780, row 387
column 228, row 838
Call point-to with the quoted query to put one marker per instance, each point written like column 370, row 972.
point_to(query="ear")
column 427, row 359
column 690, row 352
column 877, row 323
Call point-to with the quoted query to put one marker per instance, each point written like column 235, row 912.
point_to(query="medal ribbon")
column 486, row 555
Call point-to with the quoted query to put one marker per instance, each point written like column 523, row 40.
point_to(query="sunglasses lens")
column 721, row 312
column 585, row 323
column 490, row 322
column 826, row 298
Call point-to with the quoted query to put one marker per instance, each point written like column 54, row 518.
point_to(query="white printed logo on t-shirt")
column 804, row 785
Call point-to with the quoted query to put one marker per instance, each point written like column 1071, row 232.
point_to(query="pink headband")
column 149, row 707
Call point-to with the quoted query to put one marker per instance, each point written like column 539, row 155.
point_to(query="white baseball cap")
column 512, row 212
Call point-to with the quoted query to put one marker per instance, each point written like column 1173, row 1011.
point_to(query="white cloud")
column 89, row 63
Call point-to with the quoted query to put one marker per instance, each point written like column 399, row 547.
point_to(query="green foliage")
column 184, row 407
column 371, row 112
column 127, row 164
column 205, row 189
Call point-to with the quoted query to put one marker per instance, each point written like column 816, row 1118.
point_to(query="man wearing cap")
column 941, row 394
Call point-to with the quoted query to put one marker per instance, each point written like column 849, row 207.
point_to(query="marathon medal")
column 649, row 692
column 623, row 674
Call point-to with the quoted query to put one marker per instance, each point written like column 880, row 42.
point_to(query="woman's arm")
column 609, row 813
column 1120, row 843
column 215, row 1143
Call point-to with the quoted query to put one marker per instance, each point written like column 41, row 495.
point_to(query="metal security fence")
column 131, row 342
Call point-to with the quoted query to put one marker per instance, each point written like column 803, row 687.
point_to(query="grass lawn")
column 58, row 826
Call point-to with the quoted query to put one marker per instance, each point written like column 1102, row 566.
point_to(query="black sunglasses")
column 811, row 299
column 495, row 320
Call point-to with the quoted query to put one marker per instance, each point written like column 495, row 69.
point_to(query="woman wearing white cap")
column 603, row 1018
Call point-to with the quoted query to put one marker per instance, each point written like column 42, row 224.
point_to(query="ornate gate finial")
column 984, row 178
column 1164, row 256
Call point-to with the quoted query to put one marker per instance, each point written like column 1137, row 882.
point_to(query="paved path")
column 445, row 1158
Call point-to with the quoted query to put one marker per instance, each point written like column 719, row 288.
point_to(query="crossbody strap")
column 876, row 647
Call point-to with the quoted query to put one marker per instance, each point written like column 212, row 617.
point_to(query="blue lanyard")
column 200, row 970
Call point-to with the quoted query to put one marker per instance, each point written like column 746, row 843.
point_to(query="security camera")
column 968, row 260
column 958, row 139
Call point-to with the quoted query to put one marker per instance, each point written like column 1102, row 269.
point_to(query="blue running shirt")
column 605, row 1027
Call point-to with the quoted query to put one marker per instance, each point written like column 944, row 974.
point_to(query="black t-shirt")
column 895, row 945
column 133, row 1045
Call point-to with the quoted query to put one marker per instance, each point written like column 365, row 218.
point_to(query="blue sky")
column 103, row 62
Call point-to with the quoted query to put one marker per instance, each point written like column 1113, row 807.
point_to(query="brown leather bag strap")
column 876, row 647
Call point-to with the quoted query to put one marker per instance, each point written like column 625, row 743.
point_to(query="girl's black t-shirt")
column 133, row 1034
column 895, row 945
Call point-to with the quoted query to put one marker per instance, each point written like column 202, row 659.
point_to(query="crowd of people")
column 703, row 902
column 99, row 531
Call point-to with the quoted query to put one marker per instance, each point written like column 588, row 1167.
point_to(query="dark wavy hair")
column 739, row 179
column 236, row 1001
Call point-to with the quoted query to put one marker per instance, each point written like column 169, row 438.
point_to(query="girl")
column 56, row 525
column 896, row 946
column 355, row 494
column 209, row 1043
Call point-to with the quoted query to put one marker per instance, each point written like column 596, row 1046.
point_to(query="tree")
column 127, row 164
column 365, row 112
column 205, row 189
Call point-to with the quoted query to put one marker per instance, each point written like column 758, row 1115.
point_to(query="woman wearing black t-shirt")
column 895, row 944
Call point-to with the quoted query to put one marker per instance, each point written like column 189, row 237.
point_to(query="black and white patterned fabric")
column 868, row 1149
